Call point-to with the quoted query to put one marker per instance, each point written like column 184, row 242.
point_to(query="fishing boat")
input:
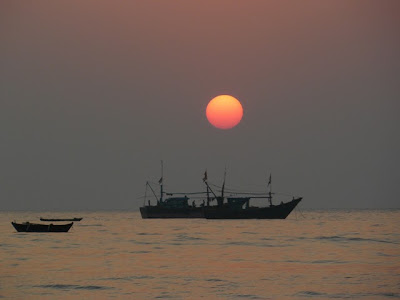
column 34, row 227
column 171, row 207
column 61, row 220
column 240, row 208
column 232, row 207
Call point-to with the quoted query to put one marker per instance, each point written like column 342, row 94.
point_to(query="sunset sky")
column 94, row 94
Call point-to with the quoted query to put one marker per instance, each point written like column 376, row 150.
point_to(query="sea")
column 330, row 254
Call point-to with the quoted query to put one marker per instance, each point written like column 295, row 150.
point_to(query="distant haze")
column 94, row 94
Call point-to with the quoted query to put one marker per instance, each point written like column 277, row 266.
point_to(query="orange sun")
column 224, row 111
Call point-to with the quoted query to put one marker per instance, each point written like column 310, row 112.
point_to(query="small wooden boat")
column 34, row 227
column 61, row 220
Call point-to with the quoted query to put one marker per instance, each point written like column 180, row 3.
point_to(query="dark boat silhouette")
column 226, row 207
column 34, row 227
column 61, row 220
column 172, row 207
column 239, row 207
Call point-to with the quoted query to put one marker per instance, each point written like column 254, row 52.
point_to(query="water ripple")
column 129, row 278
column 248, row 296
column 313, row 294
column 146, row 233
column 336, row 238
column 73, row 287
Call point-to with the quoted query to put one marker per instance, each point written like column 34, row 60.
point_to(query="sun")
column 224, row 111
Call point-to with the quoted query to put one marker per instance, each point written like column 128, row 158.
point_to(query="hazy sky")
column 93, row 94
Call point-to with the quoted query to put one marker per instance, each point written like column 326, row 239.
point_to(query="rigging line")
column 214, row 185
column 231, row 190
column 148, row 196
column 241, row 189
column 231, row 186
column 234, row 191
column 191, row 193
column 260, row 193
column 248, row 193
column 153, row 191
column 153, row 182
column 257, row 193
column 284, row 194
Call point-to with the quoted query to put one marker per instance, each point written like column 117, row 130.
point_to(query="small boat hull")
column 61, row 220
column 280, row 211
column 33, row 227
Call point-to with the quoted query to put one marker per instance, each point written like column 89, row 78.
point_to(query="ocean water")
column 117, row 255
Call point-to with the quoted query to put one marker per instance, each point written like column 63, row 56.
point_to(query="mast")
column 270, row 189
column 208, row 196
column 208, row 187
column 208, row 190
column 220, row 200
column 223, row 185
column 145, row 194
column 161, row 182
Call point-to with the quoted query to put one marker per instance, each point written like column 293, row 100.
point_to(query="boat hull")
column 157, row 212
column 61, row 220
column 32, row 227
column 280, row 211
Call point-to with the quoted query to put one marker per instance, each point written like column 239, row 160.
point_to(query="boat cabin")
column 175, row 202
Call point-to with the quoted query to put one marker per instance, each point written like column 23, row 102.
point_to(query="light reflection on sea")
column 313, row 254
